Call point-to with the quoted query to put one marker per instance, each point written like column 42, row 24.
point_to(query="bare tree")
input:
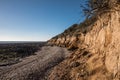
column 95, row 7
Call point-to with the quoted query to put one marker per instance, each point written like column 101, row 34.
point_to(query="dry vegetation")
column 11, row 53
column 94, row 44
column 36, row 67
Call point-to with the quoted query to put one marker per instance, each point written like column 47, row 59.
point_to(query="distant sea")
column 10, row 42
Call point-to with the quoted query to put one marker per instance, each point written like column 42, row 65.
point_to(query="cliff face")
column 96, row 48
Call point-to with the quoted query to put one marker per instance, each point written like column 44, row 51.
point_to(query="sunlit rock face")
column 101, row 40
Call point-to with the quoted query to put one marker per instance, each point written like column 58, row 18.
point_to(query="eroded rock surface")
column 96, row 49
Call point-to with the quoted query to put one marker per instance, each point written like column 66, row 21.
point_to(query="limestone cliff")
column 96, row 45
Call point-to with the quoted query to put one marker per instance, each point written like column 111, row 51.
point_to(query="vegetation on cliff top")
column 92, row 9
column 97, row 7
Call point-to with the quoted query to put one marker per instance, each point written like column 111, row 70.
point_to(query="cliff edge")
column 96, row 48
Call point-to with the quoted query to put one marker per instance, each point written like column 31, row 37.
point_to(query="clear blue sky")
column 37, row 20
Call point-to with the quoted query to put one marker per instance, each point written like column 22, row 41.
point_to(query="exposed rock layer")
column 97, row 53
